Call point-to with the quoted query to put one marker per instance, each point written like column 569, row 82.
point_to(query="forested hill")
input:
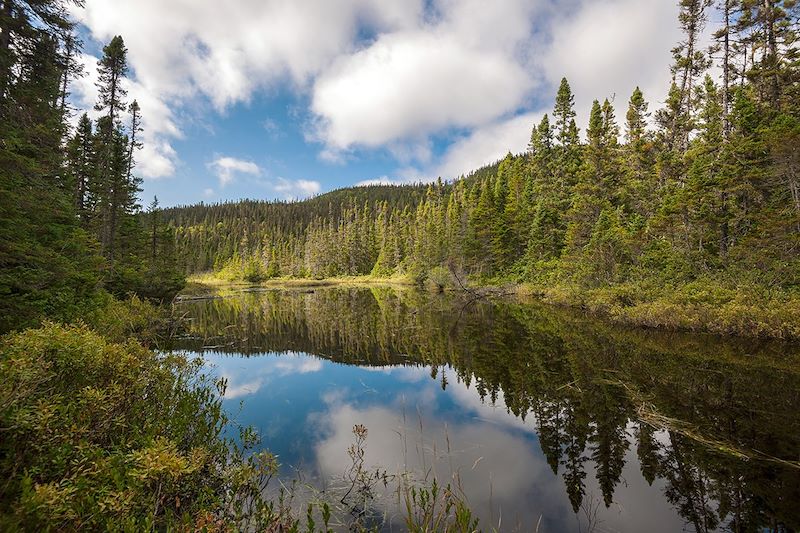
column 294, row 216
column 210, row 234
column 694, row 203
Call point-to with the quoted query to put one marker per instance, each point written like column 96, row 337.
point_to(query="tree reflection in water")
column 717, row 421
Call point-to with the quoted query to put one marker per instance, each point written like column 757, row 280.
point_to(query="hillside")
column 694, row 224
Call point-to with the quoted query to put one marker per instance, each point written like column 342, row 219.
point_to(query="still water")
column 542, row 417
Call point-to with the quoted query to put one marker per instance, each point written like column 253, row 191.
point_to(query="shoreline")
column 742, row 315
column 204, row 282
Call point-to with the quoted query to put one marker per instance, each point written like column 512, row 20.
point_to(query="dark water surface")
column 542, row 416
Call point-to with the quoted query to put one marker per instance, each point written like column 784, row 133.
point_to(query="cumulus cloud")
column 226, row 169
column 486, row 145
column 412, row 84
column 459, row 71
column 296, row 189
column 383, row 75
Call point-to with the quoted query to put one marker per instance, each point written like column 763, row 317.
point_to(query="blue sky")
column 282, row 99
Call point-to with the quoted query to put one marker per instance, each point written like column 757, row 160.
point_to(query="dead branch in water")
column 478, row 292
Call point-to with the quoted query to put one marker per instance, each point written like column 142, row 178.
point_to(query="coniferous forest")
column 684, row 213
column 681, row 214
column 72, row 225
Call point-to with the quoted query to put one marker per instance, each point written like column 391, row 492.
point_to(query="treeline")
column 208, row 235
column 705, row 188
column 71, row 227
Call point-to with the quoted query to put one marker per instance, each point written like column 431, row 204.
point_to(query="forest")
column 71, row 225
column 684, row 216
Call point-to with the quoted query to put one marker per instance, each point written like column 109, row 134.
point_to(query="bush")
column 439, row 278
column 254, row 271
column 119, row 320
column 111, row 436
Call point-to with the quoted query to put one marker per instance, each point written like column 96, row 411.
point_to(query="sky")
column 286, row 99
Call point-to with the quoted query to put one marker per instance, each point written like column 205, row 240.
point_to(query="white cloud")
column 273, row 129
column 486, row 145
column 467, row 68
column 384, row 74
column 608, row 47
column 208, row 193
column 411, row 84
column 226, row 169
column 296, row 189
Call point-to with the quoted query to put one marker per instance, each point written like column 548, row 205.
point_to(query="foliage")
column 710, row 195
column 101, row 435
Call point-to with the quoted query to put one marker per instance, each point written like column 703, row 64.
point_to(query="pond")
column 541, row 418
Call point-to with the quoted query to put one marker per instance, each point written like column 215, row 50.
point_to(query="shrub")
column 119, row 320
column 254, row 271
column 439, row 278
column 112, row 436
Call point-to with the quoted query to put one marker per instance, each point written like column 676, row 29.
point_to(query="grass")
column 210, row 280
column 697, row 307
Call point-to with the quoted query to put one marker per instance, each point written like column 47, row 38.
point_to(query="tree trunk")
column 65, row 79
column 6, row 14
column 771, row 52
column 726, row 127
column 154, row 241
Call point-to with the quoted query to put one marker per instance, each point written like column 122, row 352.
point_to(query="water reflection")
column 542, row 414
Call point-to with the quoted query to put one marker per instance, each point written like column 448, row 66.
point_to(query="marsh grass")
column 705, row 306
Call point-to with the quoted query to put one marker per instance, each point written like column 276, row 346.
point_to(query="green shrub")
column 111, row 436
column 119, row 320
column 254, row 271
column 439, row 278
